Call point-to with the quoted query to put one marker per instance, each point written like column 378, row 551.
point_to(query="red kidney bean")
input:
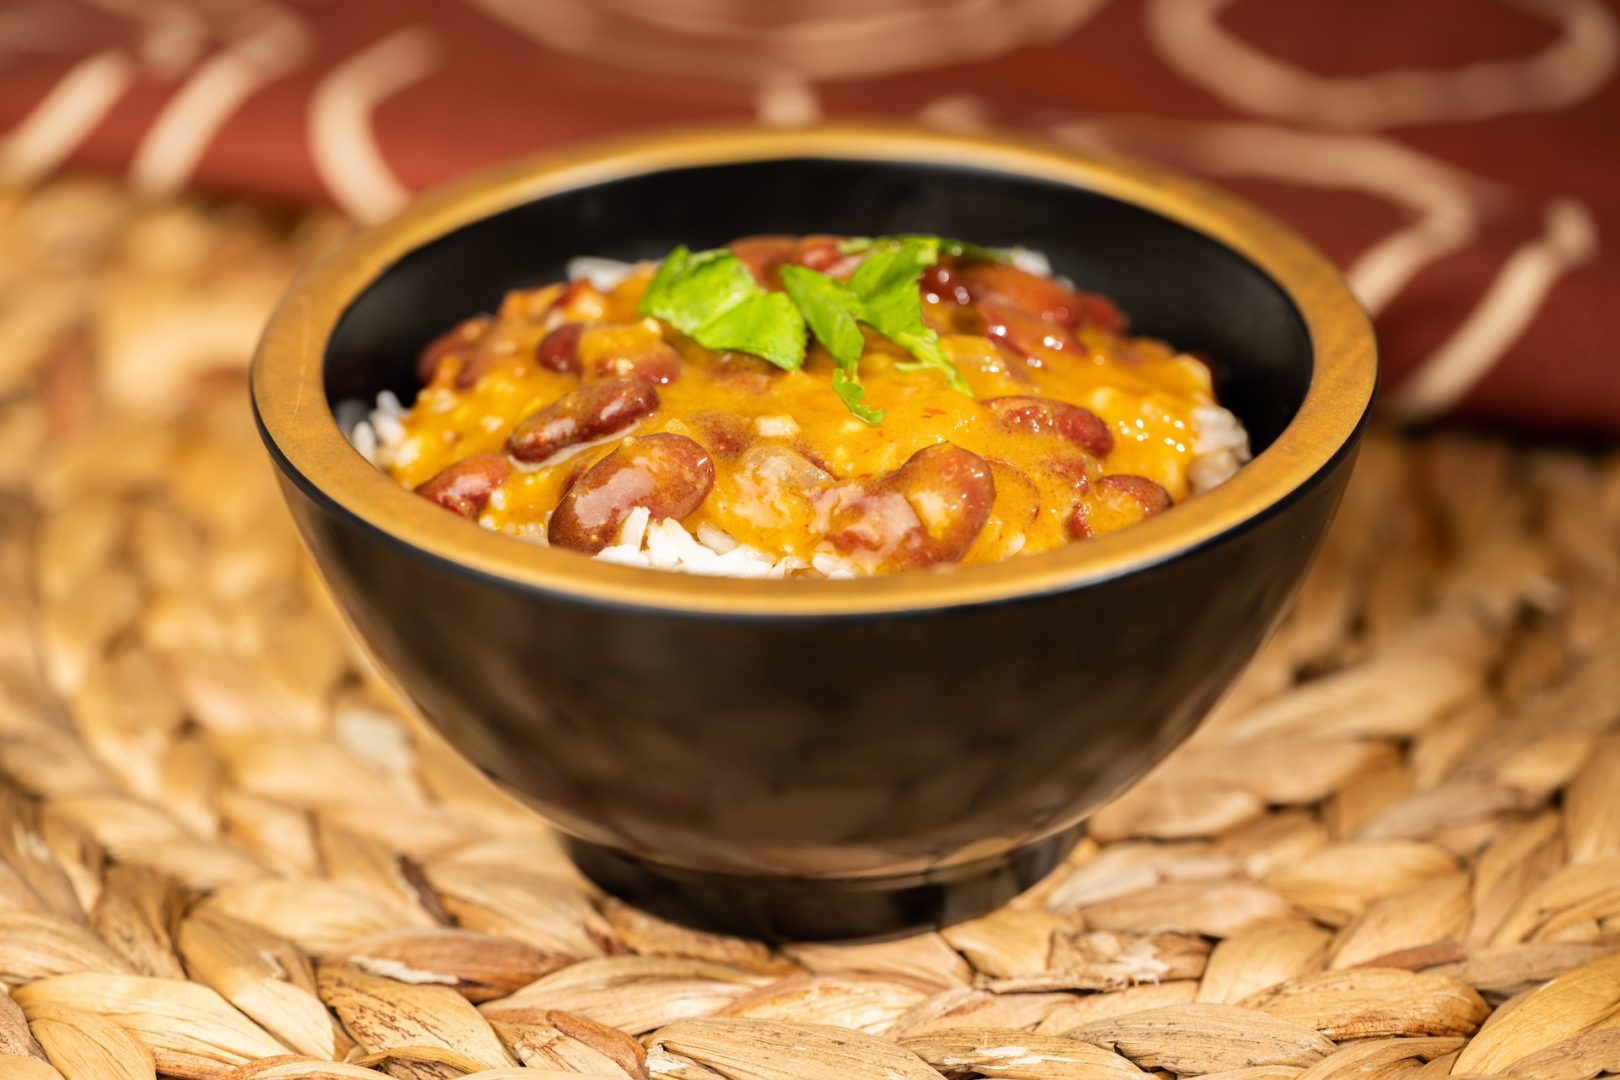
column 628, row 351
column 1038, row 415
column 928, row 511
column 505, row 341
column 466, row 486
column 668, row 474
column 732, row 375
column 1029, row 293
column 1028, row 335
column 740, row 373
column 1150, row 495
column 942, row 284
column 951, row 490
column 659, row 367
column 453, row 345
column 822, row 253
column 818, row 252
column 863, row 518
column 1099, row 311
column 1040, row 296
column 766, row 255
column 1074, row 469
column 1119, row 499
column 590, row 412
column 763, row 255
column 721, row 433
column 559, row 350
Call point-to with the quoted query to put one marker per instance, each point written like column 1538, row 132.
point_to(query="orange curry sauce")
column 1075, row 429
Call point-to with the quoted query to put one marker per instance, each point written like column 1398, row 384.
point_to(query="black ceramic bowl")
column 815, row 758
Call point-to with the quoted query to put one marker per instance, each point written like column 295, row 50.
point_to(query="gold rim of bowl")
column 290, row 399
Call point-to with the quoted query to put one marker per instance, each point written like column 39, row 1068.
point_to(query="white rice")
column 1221, row 450
column 378, row 434
column 667, row 545
column 1031, row 262
column 776, row 427
column 603, row 274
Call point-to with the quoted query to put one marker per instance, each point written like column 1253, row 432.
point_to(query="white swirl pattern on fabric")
column 45, row 139
column 749, row 42
column 341, row 137
column 177, row 139
column 1500, row 315
column 1191, row 39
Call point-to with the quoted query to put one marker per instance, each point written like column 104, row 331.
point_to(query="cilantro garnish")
column 882, row 293
column 712, row 298
column 886, row 284
column 834, row 314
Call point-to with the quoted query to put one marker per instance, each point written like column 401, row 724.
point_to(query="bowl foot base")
column 819, row 908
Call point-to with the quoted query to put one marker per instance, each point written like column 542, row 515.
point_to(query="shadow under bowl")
column 811, row 758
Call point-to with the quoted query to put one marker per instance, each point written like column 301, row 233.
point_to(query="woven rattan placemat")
column 227, row 853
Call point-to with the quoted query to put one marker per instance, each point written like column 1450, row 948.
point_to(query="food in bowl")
column 807, row 406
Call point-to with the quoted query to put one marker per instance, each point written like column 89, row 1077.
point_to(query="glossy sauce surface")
column 536, row 422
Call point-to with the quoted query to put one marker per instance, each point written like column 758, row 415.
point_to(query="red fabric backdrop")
column 1457, row 157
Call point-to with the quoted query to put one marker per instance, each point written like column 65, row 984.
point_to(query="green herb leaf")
column 883, row 294
column 690, row 290
column 713, row 299
column 895, row 312
column 658, row 297
column 765, row 324
column 931, row 356
column 850, row 391
column 892, row 267
column 886, row 284
column 831, row 310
